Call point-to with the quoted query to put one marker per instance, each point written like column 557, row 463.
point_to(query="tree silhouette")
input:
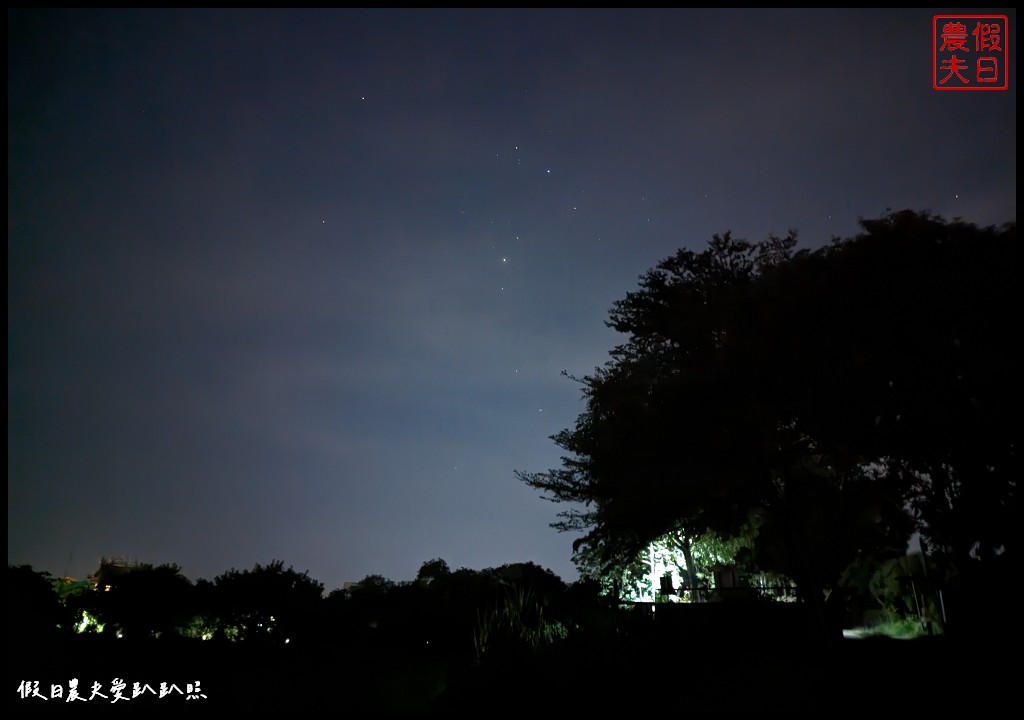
column 34, row 611
column 432, row 570
column 143, row 601
column 268, row 603
column 816, row 394
column 669, row 440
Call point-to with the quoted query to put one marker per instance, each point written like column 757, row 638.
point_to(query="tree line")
column 463, row 612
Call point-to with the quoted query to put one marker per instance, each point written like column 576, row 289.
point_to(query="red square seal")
column 970, row 52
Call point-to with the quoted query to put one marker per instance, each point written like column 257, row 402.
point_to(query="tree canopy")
column 146, row 600
column 826, row 401
column 269, row 602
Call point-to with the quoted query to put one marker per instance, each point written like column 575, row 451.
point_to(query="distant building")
column 110, row 568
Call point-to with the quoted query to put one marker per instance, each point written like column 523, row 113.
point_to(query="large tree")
column 669, row 441
column 819, row 395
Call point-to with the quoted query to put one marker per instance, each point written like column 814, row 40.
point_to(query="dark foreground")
column 846, row 677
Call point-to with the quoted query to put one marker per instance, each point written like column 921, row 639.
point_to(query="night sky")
column 301, row 285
